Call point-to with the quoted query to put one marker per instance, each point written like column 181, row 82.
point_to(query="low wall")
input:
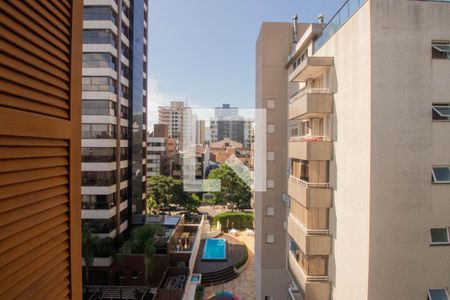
column 207, row 234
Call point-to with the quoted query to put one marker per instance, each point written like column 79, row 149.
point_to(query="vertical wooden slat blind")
column 40, row 97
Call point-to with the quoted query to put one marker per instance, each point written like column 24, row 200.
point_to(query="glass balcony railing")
column 347, row 10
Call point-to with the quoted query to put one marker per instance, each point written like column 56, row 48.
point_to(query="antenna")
column 294, row 29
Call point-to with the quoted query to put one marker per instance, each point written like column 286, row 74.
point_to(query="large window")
column 440, row 175
column 99, row 36
column 440, row 236
column 124, row 112
column 440, row 50
column 123, row 153
column 438, row 294
column 99, row 13
column 100, row 225
column 98, row 131
column 98, row 201
column 98, row 154
column 98, row 178
column 125, row 71
column 125, row 30
column 99, row 107
column 123, row 132
column 441, row 112
column 124, row 92
column 123, row 174
column 99, row 84
column 125, row 50
column 99, row 60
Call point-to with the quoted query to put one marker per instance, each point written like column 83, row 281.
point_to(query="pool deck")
column 235, row 250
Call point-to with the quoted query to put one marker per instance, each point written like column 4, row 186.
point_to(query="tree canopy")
column 233, row 189
column 163, row 191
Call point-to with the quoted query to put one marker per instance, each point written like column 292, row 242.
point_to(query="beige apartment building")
column 362, row 105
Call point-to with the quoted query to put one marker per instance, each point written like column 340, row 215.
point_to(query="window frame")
column 435, row 109
column 270, row 209
column 446, row 291
column 273, row 238
column 440, row 243
column 434, row 179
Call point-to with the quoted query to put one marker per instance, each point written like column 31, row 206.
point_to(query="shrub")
column 199, row 292
column 239, row 220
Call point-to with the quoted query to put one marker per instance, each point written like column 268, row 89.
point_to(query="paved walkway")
column 244, row 285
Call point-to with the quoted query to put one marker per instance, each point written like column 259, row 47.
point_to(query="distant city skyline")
column 208, row 60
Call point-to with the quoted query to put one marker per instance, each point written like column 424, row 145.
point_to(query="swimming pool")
column 215, row 249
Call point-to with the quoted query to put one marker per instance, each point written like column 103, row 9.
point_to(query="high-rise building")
column 200, row 132
column 173, row 116
column 366, row 138
column 226, row 112
column 249, row 133
column 157, row 159
column 114, row 114
column 40, row 103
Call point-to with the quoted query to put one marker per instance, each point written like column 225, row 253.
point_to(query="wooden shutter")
column 40, row 96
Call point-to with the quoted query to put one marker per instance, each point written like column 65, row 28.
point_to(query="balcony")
column 310, row 102
column 310, row 148
column 309, row 195
column 312, row 242
column 312, row 67
column 313, row 287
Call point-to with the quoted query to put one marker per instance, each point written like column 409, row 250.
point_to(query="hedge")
column 238, row 220
column 199, row 292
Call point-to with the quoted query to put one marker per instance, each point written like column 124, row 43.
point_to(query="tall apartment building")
column 114, row 114
column 40, row 103
column 173, row 116
column 200, row 132
column 362, row 107
column 157, row 162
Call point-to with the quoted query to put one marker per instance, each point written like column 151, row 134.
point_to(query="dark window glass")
column 98, row 107
column 123, row 216
column 125, row 50
column 99, row 84
column 441, row 112
column 124, row 92
column 98, row 201
column 99, row 13
column 123, row 153
column 100, row 225
column 123, row 174
column 123, row 112
column 98, row 178
column 123, row 194
column 98, row 131
column 125, row 30
column 125, row 71
column 99, row 60
column 98, row 154
column 123, row 132
column 99, row 36
column 125, row 10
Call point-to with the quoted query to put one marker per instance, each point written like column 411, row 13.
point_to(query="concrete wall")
column 405, row 143
column 350, row 168
column 272, row 49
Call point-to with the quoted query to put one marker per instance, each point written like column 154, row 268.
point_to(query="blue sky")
column 203, row 51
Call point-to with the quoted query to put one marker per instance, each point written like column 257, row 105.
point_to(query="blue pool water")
column 215, row 249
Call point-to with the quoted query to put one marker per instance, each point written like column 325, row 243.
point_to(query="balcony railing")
column 347, row 10
column 310, row 184
column 308, row 90
column 308, row 278
column 310, row 138
column 308, row 230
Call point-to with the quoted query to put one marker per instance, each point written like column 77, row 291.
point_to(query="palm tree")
column 89, row 243
column 143, row 240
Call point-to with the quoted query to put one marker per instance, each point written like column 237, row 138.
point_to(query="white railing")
column 310, row 138
column 306, row 229
column 308, row 90
column 310, row 184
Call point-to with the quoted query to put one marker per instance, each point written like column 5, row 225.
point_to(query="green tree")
column 90, row 243
column 232, row 188
column 143, row 240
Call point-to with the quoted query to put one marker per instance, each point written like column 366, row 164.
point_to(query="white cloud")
column 156, row 98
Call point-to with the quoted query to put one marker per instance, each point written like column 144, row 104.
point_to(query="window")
column 98, row 107
column 97, row 201
column 270, row 239
column 123, row 132
column 441, row 175
column 438, row 294
column 98, row 154
column 270, row 156
column 98, row 131
column 270, row 104
column 268, row 298
column 125, row 71
column 134, row 275
column 99, row 60
column 440, row 50
column 125, row 50
column 99, row 36
column 99, row 84
column 99, row 13
column 270, row 211
column 98, row 178
column 270, row 128
column 270, row 183
column 441, row 112
column 124, row 92
column 440, row 236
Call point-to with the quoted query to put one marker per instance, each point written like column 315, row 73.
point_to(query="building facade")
column 173, row 117
column 40, row 120
column 367, row 150
column 114, row 114
column 157, row 151
column 200, row 132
